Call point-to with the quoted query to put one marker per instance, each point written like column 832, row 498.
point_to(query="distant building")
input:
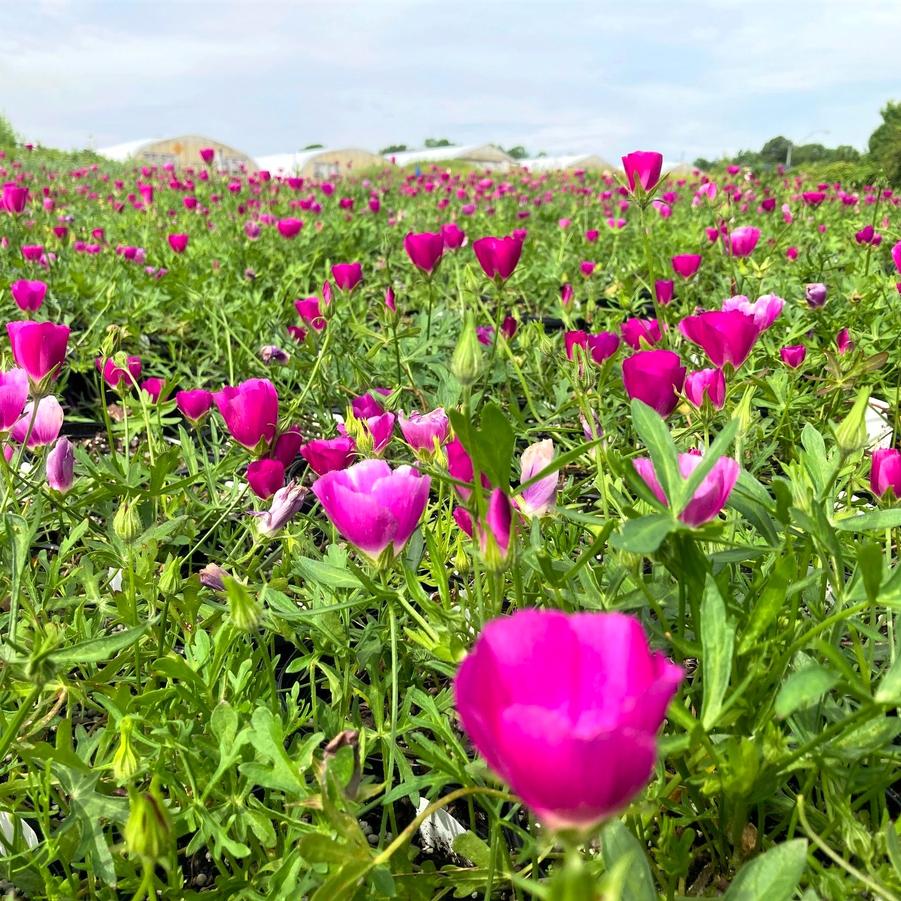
column 483, row 156
column 181, row 151
column 590, row 162
column 321, row 163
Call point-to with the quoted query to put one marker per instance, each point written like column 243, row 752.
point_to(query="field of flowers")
column 448, row 534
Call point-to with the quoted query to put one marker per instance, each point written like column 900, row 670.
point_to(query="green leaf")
column 773, row 876
column 717, row 640
column 617, row 844
column 644, row 534
column 97, row 649
column 770, row 602
column 471, row 847
column 869, row 564
column 889, row 691
column 322, row 573
column 866, row 522
column 656, row 438
column 803, row 688
column 319, row 848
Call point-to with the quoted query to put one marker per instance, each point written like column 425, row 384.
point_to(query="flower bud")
column 148, row 831
column 466, row 363
column 851, row 432
column 243, row 608
column 61, row 466
column 127, row 522
column 125, row 760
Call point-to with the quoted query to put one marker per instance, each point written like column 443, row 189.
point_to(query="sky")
column 692, row 78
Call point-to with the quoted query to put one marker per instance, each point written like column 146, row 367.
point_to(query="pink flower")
column 793, row 355
column 425, row 432
column 14, row 197
column 764, row 311
column 686, row 265
column 453, row 236
column 153, row 388
column 587, row 267
column 250, row 411
column 38, row 347
column 545, row 695
column 843, row 342
column 709, row 383
column 885, row 472
column 194, row 405
column 60, row 466
column 285, row 503
column 459, row 467
column 328, row 454
column 643, row 167
column 28, row 294
column 537, row 499
column 113, row 374
column 207, row 154
column 599, row 347
column 896, row 256
column 390, row 301
column 711, row 496
column 743, row 240
column 289, row 228
column 495, row 531
column 265, row 477
column 663, row 290
column 498, row 256
column 424, row 250
column 47, row 423
column 287, row 445
column 566, row 294
column 347, row 275
column 654, row 377
column 13, row 395
column 178, row 242
column 815, row 294
column 373, row 507
column 726, row 337
column 308, row 310
column 636, row 332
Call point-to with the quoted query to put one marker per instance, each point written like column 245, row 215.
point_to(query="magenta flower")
column 654, row 377
column 365, row 405
column 815, row 294
column 663, row 290
column 566, row 293
column 743, row 240
column 38, row 347
column 495, row 532
column 207, row 154
column 726, row 337
column 896, row 256
column 711, row 496
column 453, row 236
column 13, row 395
column 285, row 503
column 764, row 311
column 250, row 411
column 14, row 197
column 599, row 347
column 424, row 250
column 885, row 472
column 178, row 242
column 194, row 405
column 328, row 454
column 638, row 331
column 686, row 265
column 28, row 293
column 265, row 477
column 709, row 383
column 60, row 466
column 113, row 374
column 843, row 342
column 308, row 310
column 425, row 432
column 793, row 355
column 537, row 499
column 498, row 256
column 643, row 167
column 374, row 508
column 347, row 275
column 47, row 423
column 545, row 695
column 289, row 228
column 287, row 445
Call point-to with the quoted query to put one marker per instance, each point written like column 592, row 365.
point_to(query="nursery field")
column 448, row 534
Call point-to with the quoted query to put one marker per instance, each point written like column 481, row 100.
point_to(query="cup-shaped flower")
column 453, row 236
column 40, row 428
column 38, row 347
column 709, row 383
column 194, row 404
column 289, row 227
column 793, row 355
column 654, row 377
column 843, row 341
column 640, row 332
column 743, row 240
column 685, row 265
column 663, row 290
column 374, row 508
column 896, row 256
column 599, row 347
column 287, row 445
column 308, row 310
column 424, row 250
column 28, row 293
column 726, row 337
column 565, row 708
column 815, row 294
column 250, row 411
column 265, row 477
column 61, row 466
column 538, row 498
column 207, row 154
column 178, row 242
column 885, row 472
column 495, row 531
column 712, row 494
column 498, row 257
column 13, row 395
column 347, row 275
column 328, row 454
column 114, row 374
column 764, row 311
column 14, row 197
column 425, row 432
column 643, row 167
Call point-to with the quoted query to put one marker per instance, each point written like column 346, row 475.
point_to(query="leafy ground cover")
column 448, row 534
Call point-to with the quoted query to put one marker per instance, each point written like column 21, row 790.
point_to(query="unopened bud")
column 127, row 522
column 148, row 831
column 466, row 363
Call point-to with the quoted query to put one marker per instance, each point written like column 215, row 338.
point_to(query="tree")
column 518, row 152
column 393, row 148
column 775, row 150
column 885, row 142
column 438, row 142
column 7, row 135
column 314, row 147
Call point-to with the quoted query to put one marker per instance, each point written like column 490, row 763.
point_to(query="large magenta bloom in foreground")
column 38, row 347
column 424, row 250
column 373, row 506
column 885, row 472
column 498, row 256
column 643, row 167
column 710, row 498
column 250, row 411
column 654, row 377
column 725, row 336
column 565, row 708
